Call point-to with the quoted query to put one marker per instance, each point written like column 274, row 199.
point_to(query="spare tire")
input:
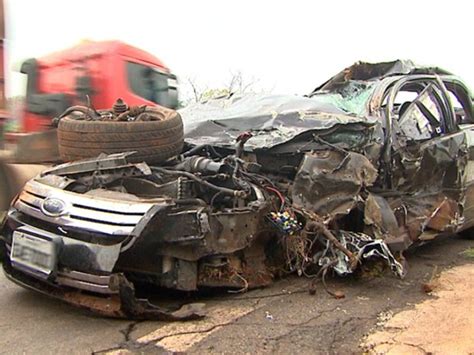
column 153, row 141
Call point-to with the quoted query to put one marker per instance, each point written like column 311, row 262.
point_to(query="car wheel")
column 153, row 141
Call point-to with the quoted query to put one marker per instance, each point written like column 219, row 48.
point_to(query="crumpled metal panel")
column 403, row 220
column 273, row 120
column 329, row 182
column 422, row 213
column 379, row 217
column 430, row 166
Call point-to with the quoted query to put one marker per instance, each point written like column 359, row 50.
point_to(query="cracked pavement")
column 282, row 318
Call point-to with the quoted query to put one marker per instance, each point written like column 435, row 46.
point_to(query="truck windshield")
column 152, row 84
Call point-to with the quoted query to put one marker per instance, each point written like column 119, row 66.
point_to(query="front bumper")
column 71, row 253
column 123, row 304
column 84, row 277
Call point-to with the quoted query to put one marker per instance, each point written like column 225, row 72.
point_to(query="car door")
column 428, row 155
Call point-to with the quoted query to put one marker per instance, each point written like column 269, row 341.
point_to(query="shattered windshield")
column 352, row 98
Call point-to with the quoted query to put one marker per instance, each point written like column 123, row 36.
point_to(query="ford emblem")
column 53, row 207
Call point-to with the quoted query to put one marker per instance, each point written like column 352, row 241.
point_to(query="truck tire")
column 153, row 141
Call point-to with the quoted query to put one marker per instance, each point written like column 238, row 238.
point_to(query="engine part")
column 119, row 107
column 197, row 164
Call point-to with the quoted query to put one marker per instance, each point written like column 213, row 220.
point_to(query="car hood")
column 272, row 119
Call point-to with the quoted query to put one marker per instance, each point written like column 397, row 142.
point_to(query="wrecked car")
column 375, row 160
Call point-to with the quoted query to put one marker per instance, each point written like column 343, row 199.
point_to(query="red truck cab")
column 96, row 74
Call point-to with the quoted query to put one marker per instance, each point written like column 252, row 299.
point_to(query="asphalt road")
column 282, row 318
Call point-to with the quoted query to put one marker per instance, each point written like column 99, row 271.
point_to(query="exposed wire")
column 243, row 289
column 279, row 194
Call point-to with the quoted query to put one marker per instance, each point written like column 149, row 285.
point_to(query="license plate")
column 33, row 254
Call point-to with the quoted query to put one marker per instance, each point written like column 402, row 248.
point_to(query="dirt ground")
column 441, row 325
column 283, row 318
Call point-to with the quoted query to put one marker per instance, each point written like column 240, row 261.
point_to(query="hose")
column 224, row 190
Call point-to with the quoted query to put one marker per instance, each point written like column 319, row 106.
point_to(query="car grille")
column 81, row 211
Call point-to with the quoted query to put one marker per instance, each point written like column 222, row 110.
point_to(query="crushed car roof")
column 277, row 119
column 363, row 71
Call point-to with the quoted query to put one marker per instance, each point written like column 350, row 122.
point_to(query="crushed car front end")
column 104, row 225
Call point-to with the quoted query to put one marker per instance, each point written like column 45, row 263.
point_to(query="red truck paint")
column 105, row 63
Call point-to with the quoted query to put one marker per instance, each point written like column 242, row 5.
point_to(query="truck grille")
column 81, row 211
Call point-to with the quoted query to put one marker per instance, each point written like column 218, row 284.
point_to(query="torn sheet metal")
column 330, row 182
column 273, row 120
column 363, row 72
column 364, row 247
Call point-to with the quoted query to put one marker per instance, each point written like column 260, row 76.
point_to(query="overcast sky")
column 289, row 46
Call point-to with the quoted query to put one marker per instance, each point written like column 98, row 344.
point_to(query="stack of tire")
column 154, row 140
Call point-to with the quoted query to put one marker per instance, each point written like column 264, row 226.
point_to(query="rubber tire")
column 153, row 141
